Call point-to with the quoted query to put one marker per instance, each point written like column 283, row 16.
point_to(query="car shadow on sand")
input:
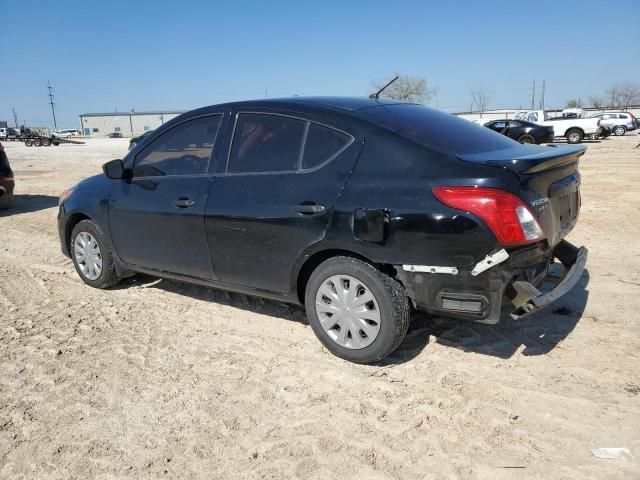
column 538, row 334
column 29, row 203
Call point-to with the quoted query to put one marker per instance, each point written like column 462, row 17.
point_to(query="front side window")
column 266, row 143
column 183, row 150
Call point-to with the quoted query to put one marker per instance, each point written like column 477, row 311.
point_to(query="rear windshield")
column 439, row 131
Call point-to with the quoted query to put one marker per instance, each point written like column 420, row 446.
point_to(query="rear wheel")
column 359, row 313
column 619, row 130
column 37, row 142
column 526, row 138
column 91, row 255
column 574, row 136
column 28, row 143
column 46, row 142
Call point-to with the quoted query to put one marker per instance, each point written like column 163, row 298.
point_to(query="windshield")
column 436, row 130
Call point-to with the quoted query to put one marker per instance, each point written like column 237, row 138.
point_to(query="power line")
column 53, row 110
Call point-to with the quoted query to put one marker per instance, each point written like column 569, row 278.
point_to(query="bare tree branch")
column 596, row 102
column 408, row 89
column 480, row 99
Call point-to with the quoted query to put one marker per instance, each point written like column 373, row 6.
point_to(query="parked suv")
column 356, row 208
column 619, row 122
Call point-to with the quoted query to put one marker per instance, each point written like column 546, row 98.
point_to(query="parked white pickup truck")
column 573, row 129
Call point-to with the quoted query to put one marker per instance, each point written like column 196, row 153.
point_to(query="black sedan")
column 6, row 180
column 357, row 208
column 521, row 131
column 135, row 140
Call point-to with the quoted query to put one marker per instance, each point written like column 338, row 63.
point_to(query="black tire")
column 37, row 142
column 55, row 143
column 108, row 277
column 46, row 142
column 574, row 136
column 526, row 138
column 28, row 143
column 5, row 201
column 389, row 294
column 619, row 130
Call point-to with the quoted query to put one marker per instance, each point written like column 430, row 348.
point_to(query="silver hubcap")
column 87, row 255
column 348, row 312
column 574, row 137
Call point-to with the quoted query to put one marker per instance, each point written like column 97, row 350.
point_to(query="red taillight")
column 505, row 214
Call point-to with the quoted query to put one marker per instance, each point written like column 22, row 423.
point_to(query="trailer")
column 35, row 140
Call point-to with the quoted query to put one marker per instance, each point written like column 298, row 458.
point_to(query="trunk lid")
column 549, row 182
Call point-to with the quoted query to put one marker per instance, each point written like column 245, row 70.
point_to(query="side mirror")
column 114, row 169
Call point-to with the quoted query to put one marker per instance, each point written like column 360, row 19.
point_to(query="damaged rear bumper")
column 529, row 299
column 495, row 285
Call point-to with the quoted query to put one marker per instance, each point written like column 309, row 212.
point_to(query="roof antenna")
column 377, row 94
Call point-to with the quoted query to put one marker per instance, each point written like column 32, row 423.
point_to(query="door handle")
column 184, row 203
column 309, row 209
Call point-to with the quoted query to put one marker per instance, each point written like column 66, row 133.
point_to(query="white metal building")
column 127, row 123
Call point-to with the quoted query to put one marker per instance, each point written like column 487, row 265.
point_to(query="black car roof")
column 327, row 103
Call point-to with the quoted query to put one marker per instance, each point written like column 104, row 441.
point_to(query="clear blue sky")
column 102, row 56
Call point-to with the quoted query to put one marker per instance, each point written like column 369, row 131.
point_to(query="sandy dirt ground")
column 157, row 379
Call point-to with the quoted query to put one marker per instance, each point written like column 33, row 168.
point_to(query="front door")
column 275, row 199
column 157, row 217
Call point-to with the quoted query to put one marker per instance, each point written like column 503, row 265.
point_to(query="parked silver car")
column 619, row 122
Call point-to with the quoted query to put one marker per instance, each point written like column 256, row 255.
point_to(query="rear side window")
column 266, row 143
column 183, row 150
column 436, row 130
column 322, row 144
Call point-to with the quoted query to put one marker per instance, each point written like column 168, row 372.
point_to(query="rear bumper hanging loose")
column 528, row 299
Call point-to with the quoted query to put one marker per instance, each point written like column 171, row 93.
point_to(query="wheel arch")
column 72, row 221
column 571, row 129
column 303, row 273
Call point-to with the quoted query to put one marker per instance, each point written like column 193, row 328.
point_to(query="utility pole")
column 266, row 92
column 53, row 110
column 533, row 96
column 15, row 117
column 543, row 95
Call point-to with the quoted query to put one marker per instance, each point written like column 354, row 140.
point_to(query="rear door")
column 157, row 218
column 275, row 196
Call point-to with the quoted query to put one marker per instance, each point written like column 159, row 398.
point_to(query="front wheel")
column 5, row 200
column 358, row 313
column 91, row 255
column 574, row 136
column 619, row 130
column 46, row 142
